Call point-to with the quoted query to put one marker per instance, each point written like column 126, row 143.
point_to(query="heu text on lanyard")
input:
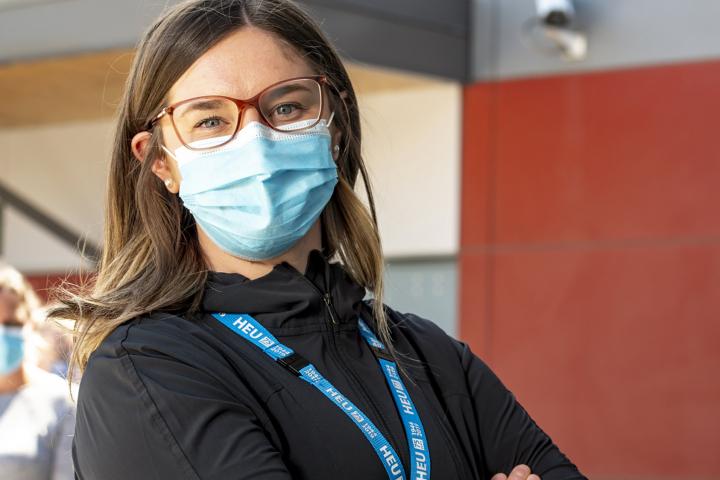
column 251, row 330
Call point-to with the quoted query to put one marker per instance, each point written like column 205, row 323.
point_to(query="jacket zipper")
column 328, row 304
column 327, row 299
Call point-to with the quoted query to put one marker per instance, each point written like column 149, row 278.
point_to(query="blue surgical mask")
column 12, row 349
column 256, row 196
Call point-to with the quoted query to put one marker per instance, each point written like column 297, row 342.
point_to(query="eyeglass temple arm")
column 155, row 119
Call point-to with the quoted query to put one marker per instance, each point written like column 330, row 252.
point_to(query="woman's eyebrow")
column 282, row 90
column 209, row 104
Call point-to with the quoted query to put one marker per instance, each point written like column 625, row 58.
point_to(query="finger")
column 499, row 476
column 521, row 472
column 533, row 477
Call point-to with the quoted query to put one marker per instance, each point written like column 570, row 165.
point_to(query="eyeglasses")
column 207, row 122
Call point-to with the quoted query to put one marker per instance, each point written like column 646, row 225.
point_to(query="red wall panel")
column 590, row 260
column 44, row 284
column 621, row 352
column 615, row 155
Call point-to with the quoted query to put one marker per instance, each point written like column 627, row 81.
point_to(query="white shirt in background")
column 37, row 423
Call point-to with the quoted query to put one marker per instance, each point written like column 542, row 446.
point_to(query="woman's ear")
column 337, row 134
column 160, row 167
column 139, row 144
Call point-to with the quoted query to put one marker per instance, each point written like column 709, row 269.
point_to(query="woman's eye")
column 212, row 122
column 285, row 109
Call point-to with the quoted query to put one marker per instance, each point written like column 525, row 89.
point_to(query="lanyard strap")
column 251, row 330
column 414, row 431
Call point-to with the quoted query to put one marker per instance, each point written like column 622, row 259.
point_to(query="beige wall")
column 412, row 147
column 61, row 170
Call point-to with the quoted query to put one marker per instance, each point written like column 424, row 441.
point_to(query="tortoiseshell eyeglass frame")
column 254, row 101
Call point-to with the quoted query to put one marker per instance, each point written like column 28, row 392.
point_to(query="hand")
column 521, row 472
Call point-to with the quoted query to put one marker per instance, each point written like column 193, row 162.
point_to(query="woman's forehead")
column 240, row 65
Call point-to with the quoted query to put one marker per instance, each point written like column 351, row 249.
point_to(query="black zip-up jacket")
column 169, row 397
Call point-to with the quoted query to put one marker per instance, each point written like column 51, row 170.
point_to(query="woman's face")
column 239, row 66
column 9, row 304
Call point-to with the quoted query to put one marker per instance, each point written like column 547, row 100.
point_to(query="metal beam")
column 8, row 198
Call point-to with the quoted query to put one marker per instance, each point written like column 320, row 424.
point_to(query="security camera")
column 555, row 19
column 571, row 43
column 555, row 13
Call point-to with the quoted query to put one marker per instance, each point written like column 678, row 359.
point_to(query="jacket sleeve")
column 508, row 435
column 146, row 415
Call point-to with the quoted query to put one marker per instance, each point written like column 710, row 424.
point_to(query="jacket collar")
column 287, row 299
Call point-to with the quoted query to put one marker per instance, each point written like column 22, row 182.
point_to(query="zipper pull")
column 328, row 303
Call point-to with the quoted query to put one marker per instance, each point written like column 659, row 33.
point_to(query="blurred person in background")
column 37, row 415
column 227, row 315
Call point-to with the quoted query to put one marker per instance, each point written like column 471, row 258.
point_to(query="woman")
column 36, row 413
column 219, row 341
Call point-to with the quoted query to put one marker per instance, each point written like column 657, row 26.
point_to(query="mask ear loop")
column 169, row 182
column 336, row 148
column 168, row 152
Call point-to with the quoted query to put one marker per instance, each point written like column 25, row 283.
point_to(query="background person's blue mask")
column 12, row 348
column 258, row 195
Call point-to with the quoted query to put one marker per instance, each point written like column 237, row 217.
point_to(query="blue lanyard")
column 251, row 330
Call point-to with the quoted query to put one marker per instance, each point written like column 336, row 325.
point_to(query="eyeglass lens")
column 211, row 121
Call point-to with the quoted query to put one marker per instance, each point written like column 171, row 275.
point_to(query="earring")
column 169, row 183
column 336, row 151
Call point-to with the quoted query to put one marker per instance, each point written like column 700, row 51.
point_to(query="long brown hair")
column 151, row 258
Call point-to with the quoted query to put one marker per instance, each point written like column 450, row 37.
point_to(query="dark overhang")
column 423, row 36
